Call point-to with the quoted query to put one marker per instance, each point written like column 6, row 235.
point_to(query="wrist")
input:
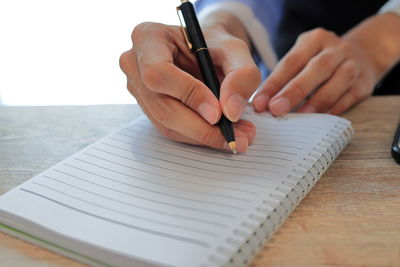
column 379, row 38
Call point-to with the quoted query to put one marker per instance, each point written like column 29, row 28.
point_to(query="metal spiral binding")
column 292, row 190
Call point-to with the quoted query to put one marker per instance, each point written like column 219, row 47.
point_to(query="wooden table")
column 350, row 218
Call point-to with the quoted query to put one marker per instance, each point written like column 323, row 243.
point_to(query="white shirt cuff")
column 391, row 6
column 255, row 29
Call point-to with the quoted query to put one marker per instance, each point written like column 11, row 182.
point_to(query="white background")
column 56, row 52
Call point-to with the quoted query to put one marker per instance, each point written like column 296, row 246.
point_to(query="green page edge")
column 46, row 244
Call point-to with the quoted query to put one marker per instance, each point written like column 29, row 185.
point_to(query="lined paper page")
column 138, row 195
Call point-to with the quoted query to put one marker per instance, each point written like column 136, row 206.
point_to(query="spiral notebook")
column 135, row 198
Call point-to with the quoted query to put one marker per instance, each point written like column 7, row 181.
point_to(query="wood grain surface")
column 350, row 218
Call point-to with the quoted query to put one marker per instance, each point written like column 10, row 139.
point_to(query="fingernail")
column 280, row 106
column 261, row 102
column 208, row 112
column 308, row 109
column 234, row 107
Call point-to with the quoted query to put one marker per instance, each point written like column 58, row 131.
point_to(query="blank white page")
column 139, row 195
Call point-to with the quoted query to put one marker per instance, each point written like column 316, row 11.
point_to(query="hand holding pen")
column 164, row 77
column 196, row 42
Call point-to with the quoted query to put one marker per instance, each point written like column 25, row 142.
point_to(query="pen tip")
column 232, row 146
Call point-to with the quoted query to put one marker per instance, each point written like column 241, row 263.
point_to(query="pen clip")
column 183, row 28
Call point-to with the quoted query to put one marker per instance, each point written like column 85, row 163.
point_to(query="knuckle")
column 325, row 61
column 132, row 90
column 319, row 31
column 272, row 85
column 306, row 35
column 323, row 32
column 124, row 61
column 293, row 60
column 139, row 29
column 299, row 90
column 350, row 71
column 189, row 96
column 146, row 28
column 319, row 34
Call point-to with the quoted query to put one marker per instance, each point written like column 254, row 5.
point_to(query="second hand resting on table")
column 164, row 78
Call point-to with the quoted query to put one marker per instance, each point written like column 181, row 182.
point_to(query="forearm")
column 379, row 36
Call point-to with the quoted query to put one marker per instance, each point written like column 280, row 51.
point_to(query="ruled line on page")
column 178, row 171
column 164, row 141
column 195, row 160
column 264, row 136
column 176, row 237
column 238, row 158
column 164, row 203
column 179, row 165
column 163, row 185
column 183, row 147
column 285, row 129
column 173, row 146
column 141, row 218
column 157, row 211
column 242, row 182
column 165, row 177
column 285, row 141
column 253, row 148
column 261, row 120
column 223, row 205
column 191, row 208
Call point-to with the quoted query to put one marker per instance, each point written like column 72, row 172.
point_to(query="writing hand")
column 164, row 77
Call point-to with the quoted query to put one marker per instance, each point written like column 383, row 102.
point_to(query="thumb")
column 242, row 77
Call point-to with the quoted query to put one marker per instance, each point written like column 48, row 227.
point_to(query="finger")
column 174, row 115
column 248, row 128
column 306, row 47
column 147, row 100
column 319, row 69
column 171, row 134
column 242, row 76
column 128, row 65
column 137, row 88
column 244, row 133
column 155, row 57
column 325, row 97
column 353, row 96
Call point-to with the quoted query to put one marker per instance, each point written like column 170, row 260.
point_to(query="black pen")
column 196, row 42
